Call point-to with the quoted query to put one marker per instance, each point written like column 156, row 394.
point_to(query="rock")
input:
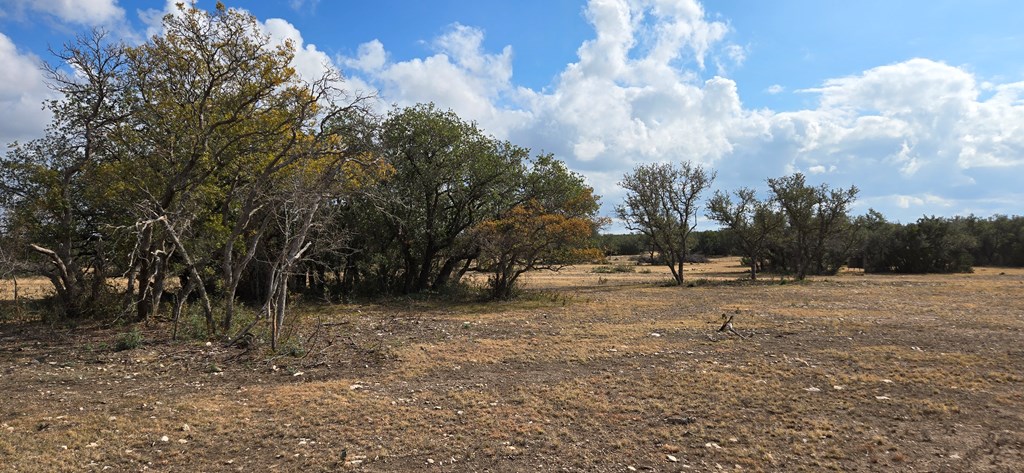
column 430, row 460
column 186, row 428
column 671, row 458
column 165, row 439
column 812, row 389
column 630, row 468
column 655, row 334
column 882, row 398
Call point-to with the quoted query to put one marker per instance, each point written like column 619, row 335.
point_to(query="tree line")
column 797, row 229
column 198, row 169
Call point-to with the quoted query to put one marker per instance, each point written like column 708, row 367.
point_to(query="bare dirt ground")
column 589, row 372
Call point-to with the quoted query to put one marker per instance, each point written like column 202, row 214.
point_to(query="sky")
column 920, row 104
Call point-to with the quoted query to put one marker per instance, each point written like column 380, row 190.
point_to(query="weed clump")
column 128, row 341
column 618, row 268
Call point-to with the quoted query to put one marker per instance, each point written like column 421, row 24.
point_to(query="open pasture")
column 589, row 371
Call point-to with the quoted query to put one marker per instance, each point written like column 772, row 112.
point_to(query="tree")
column 548, row 228
column 661, row 200
column 815, row 216
column 53, row 187
column 753, row 222
column 176, row 158
column 446, row 177
column 213, row 104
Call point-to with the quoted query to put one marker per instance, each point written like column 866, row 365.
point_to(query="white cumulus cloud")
column 82, row 12
column 22, row 92
column 917, row 136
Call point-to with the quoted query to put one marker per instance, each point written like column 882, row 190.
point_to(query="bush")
column 128, row 341
column 696, row 258
column 618, row 268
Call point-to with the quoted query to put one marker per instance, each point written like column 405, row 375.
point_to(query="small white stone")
column 165, row 439
column 671, row 458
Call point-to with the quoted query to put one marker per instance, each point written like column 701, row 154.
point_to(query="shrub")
column 618, row 268
column 128, row 341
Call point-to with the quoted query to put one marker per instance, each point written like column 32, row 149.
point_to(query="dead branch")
column 727, row 326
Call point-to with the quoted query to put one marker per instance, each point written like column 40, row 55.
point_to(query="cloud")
column 459, row 75
column 626, row 100
column 82, row 12
column 309, row 62
column 22, row 92
column 153, row 18
column 299, row 4
column 635, row 95
column 916, row 136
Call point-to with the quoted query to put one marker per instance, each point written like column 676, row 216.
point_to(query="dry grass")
column 853, row 372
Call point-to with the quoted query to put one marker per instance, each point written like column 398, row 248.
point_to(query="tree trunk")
column 179, row 303
column 194, row 275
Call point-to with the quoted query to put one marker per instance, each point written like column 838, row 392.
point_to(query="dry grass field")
column 587, row 372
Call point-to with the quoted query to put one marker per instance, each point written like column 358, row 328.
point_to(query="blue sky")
column 918, row 103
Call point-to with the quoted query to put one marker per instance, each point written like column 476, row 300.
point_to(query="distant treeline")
column 929, row 245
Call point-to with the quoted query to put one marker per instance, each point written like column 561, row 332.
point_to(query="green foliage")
column 750, row 223
column 549, row 227
column 446, row 177
column 816, row 236
column 661, row 200
column 620, row 245
column 128, row 340
column 930, row 245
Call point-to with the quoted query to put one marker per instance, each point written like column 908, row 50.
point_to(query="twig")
column 727, row 327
